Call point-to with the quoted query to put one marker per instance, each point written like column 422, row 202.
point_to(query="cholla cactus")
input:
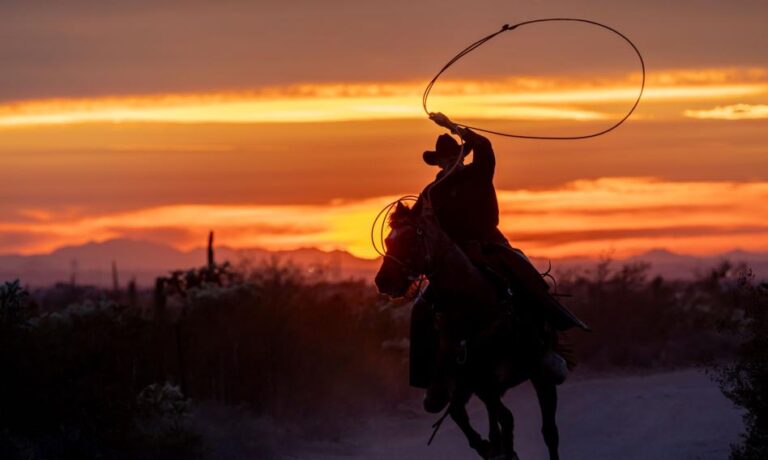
column 165, row 403
column 12, row 301
column 88, row 309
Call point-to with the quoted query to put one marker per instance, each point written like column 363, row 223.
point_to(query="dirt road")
column 675, row 415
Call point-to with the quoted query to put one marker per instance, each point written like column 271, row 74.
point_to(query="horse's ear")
column 400, row 213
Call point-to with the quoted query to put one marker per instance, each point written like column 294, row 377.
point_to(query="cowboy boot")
column 553, row 367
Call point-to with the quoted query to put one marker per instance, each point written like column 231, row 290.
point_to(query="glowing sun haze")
column 624, row 215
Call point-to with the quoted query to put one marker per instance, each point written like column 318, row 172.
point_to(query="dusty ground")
column 675, row 415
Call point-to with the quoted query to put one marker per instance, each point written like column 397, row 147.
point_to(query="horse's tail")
column 565, row 349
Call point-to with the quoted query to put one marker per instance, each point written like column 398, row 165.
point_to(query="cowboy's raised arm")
column 484, row 158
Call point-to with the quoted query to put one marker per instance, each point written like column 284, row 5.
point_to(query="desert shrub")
column 745, row 380
column 164, row 405
column 639, row 322
column 70, row 383
column 93, row 377
column 288, row 347
column 80, row 379
column 163, row 414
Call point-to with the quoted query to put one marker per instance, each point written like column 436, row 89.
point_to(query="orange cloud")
column 626, row 215
column 528, row 98
column 731, row 112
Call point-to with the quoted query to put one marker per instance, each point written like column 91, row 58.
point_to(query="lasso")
column 380, row 222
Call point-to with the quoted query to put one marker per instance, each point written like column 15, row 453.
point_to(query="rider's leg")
column 536, row 308
column 523, row 276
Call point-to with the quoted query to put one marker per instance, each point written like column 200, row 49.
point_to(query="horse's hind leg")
column 507, row 422
column 458, row 411
column 547, row 394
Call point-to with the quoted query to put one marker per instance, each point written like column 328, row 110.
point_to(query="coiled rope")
column 380, row 223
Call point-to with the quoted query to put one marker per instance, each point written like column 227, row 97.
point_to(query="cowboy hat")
column 445, row 147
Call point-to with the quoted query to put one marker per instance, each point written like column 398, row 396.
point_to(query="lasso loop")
column 506, row 28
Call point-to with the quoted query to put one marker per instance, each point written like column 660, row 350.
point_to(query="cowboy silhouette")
column 463, row 199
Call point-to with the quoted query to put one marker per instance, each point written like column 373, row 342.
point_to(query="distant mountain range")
column 91, row 263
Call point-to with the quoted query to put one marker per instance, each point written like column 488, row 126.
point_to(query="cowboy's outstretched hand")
column 443, row 121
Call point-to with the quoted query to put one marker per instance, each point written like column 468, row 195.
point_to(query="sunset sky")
column 290, row 124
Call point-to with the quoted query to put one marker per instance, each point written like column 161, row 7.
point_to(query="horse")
column 497, row 348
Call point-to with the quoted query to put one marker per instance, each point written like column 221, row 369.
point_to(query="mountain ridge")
column 144, row 260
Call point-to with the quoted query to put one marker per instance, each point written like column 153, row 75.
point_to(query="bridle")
column 423, row 246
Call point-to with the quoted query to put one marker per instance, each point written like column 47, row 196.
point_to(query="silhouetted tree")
column 745, row 381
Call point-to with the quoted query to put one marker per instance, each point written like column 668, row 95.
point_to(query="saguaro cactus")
column 211, row 261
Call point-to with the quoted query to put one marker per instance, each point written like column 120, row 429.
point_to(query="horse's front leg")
column 501, row 427
column 547, row 395
column 458, row 411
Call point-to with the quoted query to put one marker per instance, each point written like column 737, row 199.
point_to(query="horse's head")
column 406, row 255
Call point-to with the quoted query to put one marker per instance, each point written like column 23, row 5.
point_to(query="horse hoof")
column 482, row 447
column 512, row 456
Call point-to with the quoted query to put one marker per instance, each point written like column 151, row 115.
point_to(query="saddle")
column 512, row 271
column 513, row 274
